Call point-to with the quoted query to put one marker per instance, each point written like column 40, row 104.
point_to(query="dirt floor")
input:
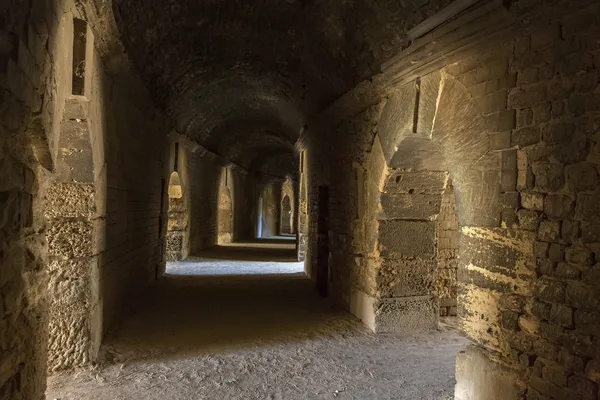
column 274, row 255
column 258, row 337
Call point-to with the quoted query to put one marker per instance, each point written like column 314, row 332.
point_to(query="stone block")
column 555, row 374
column 524, row 118
column 414, row 206
column 410, row 277
column 417, row 182
column 567, row 271
column 509, row 320
column 406, row 315
column 578, row 344
column 587, row 322
column 550, row 291
column 558, row 108
column 527, row 96
column 528, row 76
column 558, row 206
column 588, row 206
column 508, row 180
column 543, row 36
column 550, row 390
column 581, row 103
column 542, row 113
column 556, row 252
column 500, row 140
column 584, row 387
column 546, row 267
column 569, row 231
column 493, row 103
column 592, row 370
column 540, row 249
column 590, row 232
column 582, row 177
column 540, row 309
column 561, row 315
column 548, row 177
column 407, row 238
column 70, row 200
column 70, row 238
column 570, row 361
column 582, row 296
column 532, row 201
column 580, row 255
column 525, row 136
column 559, row 133
column 528, row 219
column 549, row 231
column 591, row 276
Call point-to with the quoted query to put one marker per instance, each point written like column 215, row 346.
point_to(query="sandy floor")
column 218, row 261
column 258, row 337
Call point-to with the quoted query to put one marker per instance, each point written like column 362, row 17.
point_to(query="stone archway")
column 177, row 248
column 225, row 215
column 286, row 216
column 444, row 139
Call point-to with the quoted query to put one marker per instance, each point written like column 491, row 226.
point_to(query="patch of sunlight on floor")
column 207, row 266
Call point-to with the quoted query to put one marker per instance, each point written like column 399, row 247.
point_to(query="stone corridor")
column 364, row 199
column 257, row 337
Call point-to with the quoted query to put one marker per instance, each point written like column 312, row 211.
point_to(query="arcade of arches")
column 433, row 167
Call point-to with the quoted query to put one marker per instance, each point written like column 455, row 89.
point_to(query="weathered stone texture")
column 446, row 285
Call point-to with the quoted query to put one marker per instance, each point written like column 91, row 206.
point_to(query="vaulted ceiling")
column 243, row 77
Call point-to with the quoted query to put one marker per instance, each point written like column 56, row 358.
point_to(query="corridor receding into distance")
column 299, row 199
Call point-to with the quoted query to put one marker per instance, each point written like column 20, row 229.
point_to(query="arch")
column 175, row 189
column 443, row 143
column 225, row 211
column 286, row 216
column 176, row 237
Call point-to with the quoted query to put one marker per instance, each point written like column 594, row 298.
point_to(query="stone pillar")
column 408, row 249
column 71, row 212
column 176, row 243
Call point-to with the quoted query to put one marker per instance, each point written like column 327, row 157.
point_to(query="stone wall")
column 288, row 218
column 512, row 119
column 204, row 172
column 447, row 254
column 271, row 206
column 25, row 160
column 225, row 207
column 176, row 239
column 75, row 110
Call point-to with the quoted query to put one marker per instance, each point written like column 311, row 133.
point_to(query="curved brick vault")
column 259, row 72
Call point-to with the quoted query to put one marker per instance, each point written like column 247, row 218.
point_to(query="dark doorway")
column 323, row 241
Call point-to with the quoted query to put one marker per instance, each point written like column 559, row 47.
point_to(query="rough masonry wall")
column 353, row 188
column 447, row 254
column 540, row 93
column 288, row 218
column 176, row 238
column 132, row 177
column 203, row 178
column 527, row 110
column 113, row 211
column 26, row 34
column 245, row 213
column 225, row 207
column 271, row 195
